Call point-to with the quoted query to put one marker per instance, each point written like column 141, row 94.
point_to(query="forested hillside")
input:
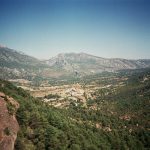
column 109, row 121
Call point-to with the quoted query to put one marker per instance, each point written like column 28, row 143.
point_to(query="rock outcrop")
column 8, row 123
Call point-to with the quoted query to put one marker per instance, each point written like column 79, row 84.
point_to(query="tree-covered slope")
column 110, row 121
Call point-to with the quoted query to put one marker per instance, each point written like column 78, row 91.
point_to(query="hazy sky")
column 107, row 28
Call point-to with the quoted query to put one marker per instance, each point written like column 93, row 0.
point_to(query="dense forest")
column 116, row 120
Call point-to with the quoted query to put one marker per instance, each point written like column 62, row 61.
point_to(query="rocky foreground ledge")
column 8, row 123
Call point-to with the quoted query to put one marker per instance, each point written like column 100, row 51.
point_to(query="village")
column 62, row 96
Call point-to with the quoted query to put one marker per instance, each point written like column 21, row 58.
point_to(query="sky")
column 105, row 28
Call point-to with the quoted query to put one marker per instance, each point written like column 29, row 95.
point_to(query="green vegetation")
column 11, row 108
column 7, row 131
column 112, row 120
column 52, row 96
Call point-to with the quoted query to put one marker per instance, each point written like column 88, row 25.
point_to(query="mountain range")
column 85, row 63
column 16, row 64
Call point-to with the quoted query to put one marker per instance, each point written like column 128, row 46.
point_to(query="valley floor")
column 109, row 111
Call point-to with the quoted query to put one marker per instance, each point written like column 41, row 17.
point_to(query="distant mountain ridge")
column 12, row 57
column 85, row 63
column 14, row 64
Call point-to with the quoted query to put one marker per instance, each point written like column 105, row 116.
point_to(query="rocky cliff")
column 8, row 123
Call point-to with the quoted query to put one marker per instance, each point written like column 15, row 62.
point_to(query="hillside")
column 15, row 64
column 12, row 58
column 82, row 63
column 110, row 120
